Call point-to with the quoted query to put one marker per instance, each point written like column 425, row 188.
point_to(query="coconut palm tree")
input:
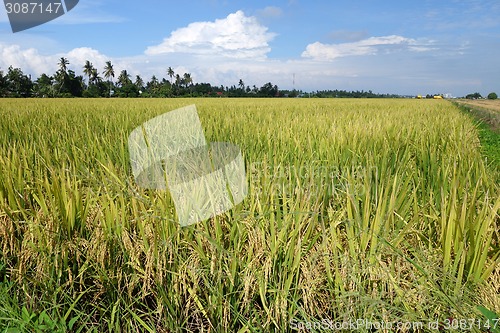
column 154, row 80
column 153, row 86
column 63, row 63
column 88, row 69
column 187, row 79
column 94, row 76
column 139, row 82
column 170, row 72
column 124, row 78
column 109, row 74
column 62, row 74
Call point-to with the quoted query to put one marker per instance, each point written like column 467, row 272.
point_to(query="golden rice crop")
column 357, row 209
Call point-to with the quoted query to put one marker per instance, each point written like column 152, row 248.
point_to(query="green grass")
column 489, row 134
column 357, row 209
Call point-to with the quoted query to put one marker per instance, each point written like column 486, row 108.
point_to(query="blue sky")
column 404, row 47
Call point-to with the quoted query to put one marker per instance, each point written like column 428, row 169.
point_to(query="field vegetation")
column 380, row 210
column 486, row 116
column 486, row 110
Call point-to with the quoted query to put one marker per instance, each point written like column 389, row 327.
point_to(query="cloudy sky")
column 404, row 47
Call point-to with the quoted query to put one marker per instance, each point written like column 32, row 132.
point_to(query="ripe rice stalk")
column 379, row 209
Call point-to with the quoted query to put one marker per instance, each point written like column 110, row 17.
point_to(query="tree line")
column 106, row 83
column 477, row 95
column 94, row 83
column 352, row 94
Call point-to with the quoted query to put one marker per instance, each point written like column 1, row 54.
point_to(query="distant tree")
column 176, row 86
column 94, row 76
column 154, row 81
column 72, row 84
column 240, row 92
column 3, row 85
column 61, row 76
column 87, row 70
column 170, row 73
column 109, row 74
column 188, row 80
column 268, row 90
column 293, row 93
column 124, row 78
column 43, row 86
column 203, row 89
column 96, row 87
column 127, row 88
column 18, row 84
column 60, row 81
column 474, row 96
column 492, row 95
column 63, row 63
column 139, row 82
column 165, row 88
column 153, row 87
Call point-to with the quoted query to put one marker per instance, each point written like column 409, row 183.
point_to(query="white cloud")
column 81, row 54
column 369, row 46
column 236, row 36
column 29, row 60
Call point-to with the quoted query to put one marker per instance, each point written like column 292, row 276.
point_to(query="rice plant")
column 357, row 209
